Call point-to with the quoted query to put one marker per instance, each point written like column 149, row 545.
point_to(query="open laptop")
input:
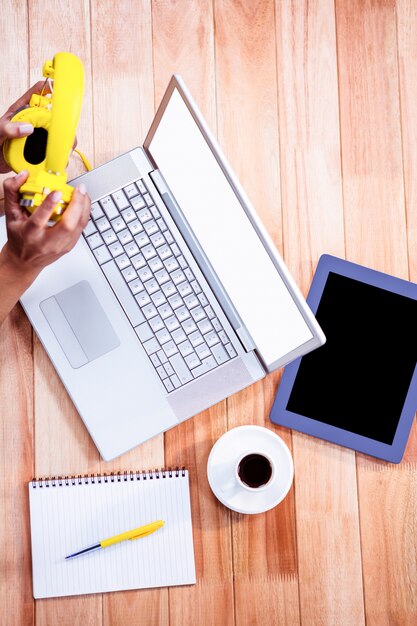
column 175, row 297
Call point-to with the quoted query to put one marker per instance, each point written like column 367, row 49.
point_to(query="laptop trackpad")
column 80, row 324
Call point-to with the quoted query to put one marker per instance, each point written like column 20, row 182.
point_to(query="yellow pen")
column 136, row 533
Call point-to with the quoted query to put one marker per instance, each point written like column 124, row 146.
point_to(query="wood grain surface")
column 314, row 104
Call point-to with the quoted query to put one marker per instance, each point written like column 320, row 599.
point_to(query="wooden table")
column 314, row 102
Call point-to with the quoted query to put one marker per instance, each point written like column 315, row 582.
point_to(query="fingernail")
column 55, row 196
column 21, row 174
column 82, row 189
column 25, row 129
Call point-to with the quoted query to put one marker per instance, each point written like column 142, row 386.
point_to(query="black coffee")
column 254, row 470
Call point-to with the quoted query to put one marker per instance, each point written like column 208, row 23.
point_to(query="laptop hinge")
column 202, row 260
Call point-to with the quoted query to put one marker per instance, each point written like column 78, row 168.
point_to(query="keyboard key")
column 154, row 359
column 148, row 252
column 169, row 288
column 103, row 224
column 158, row 298
column 109, row 207
column 198, row 314
column 145, row 273
column 125, row 236
column 182, row 313
column 155, row 212
column 209, row 312
column 170, row 349
column 120, row 199
column 161, row 224
column 175, row 381
column 144, row 331
column 138, row 203
column 161, row 354
column 102, row 254
column 129, row 273
column 155, row 264
column 169, row 237
column 151, row 286
column 216, row 324
column 136, row 287
column 223, row 337
column 165, row 310
column 196, row 338
column 192, row 360
column 171, row 265
column 196, row 287
column 156, row 324
column 94, row 241
column 168, row 384
column 175, row 249
column 144, row 215
column 131, row 190
column 164, row 252
column 162, row 276
column 123, row 293
column 182, row 262
column 129, row 215
column 138, row 261
column 220, row 354
column 181, row 368
column 162, row 373
column 158, row 239
column 185, row 348
column 189, row 275
column 163, row 336
column 135, row 227
column 122, row 261
column 189, row 326
column 131, row 249
column 90, row 228
column 151, row 227
column 96, row 211
column 118, row 224
column 172, row 323
column 149, row 310
column 203, row 351
column 142, row 298
column 179, row 335
column 230, row 350
column 148, row 199
column 191, row 301
column 204, row 326
column 205, row 366
column 211, row 338
column 168, row 368
column 142, row 239
column 184, row 289
column 151, row 345
column 176, row 301
column 141, row 186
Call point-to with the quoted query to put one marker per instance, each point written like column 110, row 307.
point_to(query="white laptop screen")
column 225, row 233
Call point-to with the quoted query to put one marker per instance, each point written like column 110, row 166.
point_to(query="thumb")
column 13, row 130
column 11, row 187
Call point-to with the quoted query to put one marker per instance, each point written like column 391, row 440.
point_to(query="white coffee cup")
column 247, row 477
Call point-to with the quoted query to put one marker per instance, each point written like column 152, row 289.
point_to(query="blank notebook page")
column 72, row 514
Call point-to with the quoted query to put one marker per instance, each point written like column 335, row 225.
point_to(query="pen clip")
column 141, row 535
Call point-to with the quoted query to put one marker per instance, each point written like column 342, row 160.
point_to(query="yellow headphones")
column 45, row 153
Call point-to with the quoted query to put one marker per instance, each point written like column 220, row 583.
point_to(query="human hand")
column 32, row 244
column 11, row 130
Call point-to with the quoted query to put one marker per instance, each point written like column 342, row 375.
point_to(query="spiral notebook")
column 71, row 513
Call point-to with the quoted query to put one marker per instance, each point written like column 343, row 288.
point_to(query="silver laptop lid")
column 226, row 226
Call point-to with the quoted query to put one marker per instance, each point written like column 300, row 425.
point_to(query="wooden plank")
column 376, row 236
column 123, row 109
column 183, row 43
column 264, row 550
column 327, row 523
column 62, row 443
column 16, row 379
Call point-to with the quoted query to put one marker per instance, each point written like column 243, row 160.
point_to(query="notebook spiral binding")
column 121, row 476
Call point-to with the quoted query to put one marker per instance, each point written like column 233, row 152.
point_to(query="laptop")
column 174, row 297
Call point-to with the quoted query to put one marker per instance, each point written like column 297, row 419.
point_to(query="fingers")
column 41, row 216
column 77, row 212
column 24, row 100
column 12, row 130
column 11, row 187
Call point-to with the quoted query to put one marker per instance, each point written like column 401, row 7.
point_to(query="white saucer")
column 221, row 466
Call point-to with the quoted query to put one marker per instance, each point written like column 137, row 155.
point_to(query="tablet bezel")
column 279, row 413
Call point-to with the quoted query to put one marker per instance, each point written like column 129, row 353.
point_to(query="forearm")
column 13, row 283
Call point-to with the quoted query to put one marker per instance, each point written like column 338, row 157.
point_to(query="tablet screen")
column 359, row 379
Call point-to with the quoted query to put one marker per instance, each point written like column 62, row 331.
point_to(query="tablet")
column 360, row 388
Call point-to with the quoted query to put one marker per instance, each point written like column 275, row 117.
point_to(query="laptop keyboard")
column 161, row 297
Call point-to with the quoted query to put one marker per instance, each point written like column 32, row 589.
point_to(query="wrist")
column 17, row 273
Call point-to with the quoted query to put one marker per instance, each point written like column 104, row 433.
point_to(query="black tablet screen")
column 359, row 379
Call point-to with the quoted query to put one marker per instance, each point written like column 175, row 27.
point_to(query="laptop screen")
column 224, row 231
